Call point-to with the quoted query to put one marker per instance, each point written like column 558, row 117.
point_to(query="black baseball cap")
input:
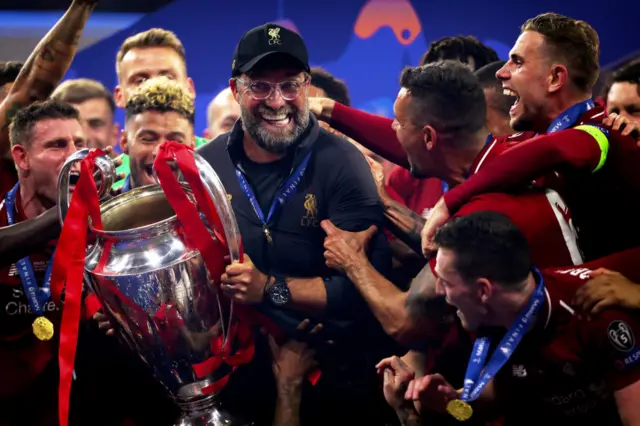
column 260, row 42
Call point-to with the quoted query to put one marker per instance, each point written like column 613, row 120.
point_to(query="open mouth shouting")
column 513, row 111
column 73, row 180
column 147, row 177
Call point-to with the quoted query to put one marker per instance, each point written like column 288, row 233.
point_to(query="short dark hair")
column 487, row 74
column 573, row 42
column 9, row 71
column 460, row 48
column 445, row 95
column 163, row 95
column 155, row 37
column 627, row 73
column 488, row 80
column 26, row 118
column 334, row 88
column 486, row 245
column 81, row 90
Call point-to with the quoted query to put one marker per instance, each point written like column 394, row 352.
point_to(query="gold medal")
column 459, row 409
column 43, row 328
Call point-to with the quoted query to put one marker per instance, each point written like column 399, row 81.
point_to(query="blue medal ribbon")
column 287, row 190
column 126, row 186
column 37, row 296
column 478, row 374
column 570, row 116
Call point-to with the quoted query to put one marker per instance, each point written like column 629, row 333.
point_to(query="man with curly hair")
column 158, row 111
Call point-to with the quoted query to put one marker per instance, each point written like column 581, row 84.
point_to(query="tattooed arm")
column 46, row 66
column 404, row 223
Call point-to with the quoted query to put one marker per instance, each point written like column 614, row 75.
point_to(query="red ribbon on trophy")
column 68, row 270
column 212, row 251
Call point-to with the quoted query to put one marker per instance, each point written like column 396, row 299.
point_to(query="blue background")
column 370, row 65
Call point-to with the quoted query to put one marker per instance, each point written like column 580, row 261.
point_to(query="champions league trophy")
column 156, row 289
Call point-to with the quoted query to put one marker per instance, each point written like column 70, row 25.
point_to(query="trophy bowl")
column 156, row 290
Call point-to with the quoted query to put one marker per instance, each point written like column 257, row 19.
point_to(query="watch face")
column 279, row 293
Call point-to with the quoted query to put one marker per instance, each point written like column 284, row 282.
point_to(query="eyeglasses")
column 261, row 90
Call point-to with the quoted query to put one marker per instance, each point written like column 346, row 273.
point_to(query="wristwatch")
column 279, row 293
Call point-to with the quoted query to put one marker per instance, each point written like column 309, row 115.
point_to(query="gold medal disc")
column 43, row 328
column 459, row 409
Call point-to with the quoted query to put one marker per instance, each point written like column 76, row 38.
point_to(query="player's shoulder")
column 400, row 176
column 497, row 146
column 594, row 119
column 331, row 144
column 577, row 273
column 618, row 328
column 516, row 137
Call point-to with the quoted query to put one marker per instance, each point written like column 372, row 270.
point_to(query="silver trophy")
column 156, row 289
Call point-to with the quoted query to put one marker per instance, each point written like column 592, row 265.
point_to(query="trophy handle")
column 107, row 173
column 218, row 195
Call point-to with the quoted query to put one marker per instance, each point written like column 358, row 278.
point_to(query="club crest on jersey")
column 621, row 336
column 310, row 219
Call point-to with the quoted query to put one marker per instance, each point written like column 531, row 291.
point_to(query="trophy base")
column 211, row 417
column 205, row 412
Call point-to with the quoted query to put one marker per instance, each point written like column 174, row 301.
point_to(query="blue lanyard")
column 570, row 116
column 476, row 369
column 126, row 186
column 37, row 296
column 445, row 185
column 287, row 190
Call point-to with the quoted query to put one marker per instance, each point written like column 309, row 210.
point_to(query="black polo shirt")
column 336, row 185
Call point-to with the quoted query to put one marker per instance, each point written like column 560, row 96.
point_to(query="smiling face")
column 624, row 99
column 274, row 106
column 40, row 160
column 143, row 135
column 412, row 137
column 526, row 75
column 144, row 63
column 97, row 121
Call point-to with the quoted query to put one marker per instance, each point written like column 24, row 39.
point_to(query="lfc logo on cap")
column 274, row 33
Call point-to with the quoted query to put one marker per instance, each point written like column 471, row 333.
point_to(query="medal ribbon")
column 126, row 186
column 68, row 271
column 286, row 191
column 478, row 375
column 570, row 116
column 37, row 296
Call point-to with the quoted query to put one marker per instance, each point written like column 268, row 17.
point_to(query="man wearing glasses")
column 284, row 175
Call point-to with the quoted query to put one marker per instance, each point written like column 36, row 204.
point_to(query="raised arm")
column 585, row 147
column 46, row 66
column 371, row 131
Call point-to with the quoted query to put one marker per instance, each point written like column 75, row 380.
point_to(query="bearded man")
column 284, row 174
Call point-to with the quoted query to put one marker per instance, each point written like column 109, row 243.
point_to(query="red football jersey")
column 566, row 369
column 497, row 146
column 598, row 175
column 23, row 357
column 543, row 218
column 420, row 195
